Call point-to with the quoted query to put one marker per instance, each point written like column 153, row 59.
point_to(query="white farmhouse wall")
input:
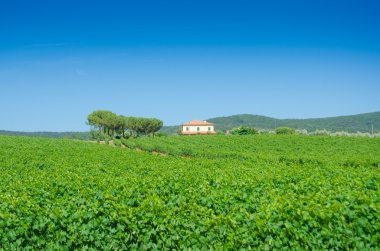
column 194, row 129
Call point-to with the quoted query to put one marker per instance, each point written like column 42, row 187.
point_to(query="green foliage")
column 160, row 134
column 117, row 142
column 289, row 149
column 108, row 123
column 107, row 139
column 260, row 192
column 101, row 120
column 285, row 130
column 124, row 141
column 144, row 126
column 244, row 130
column 96, row 135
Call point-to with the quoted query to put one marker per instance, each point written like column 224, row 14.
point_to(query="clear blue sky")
column 183, row 60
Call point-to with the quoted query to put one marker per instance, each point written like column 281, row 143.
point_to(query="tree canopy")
column 107, row 123
column 285, row 130
column 244, row 130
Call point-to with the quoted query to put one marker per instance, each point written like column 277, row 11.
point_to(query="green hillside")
column 353, row 123
column 56, row 135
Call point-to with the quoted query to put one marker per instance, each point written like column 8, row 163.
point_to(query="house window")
column 198, row 129
column 209, row 128
column 187, row 128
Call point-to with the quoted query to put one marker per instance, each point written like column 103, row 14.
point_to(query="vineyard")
column 261, row 192
column 294, row 149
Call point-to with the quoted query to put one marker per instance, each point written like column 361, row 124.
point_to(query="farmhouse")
column 197, row 127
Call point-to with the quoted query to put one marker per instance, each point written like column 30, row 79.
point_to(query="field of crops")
column 265, row 192
column 293, row 149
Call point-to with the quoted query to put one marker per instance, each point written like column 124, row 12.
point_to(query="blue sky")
column 183, row 60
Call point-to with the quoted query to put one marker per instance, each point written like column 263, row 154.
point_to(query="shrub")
column 285, row 130
column 160, row 134
column 244, row 130
column 130, row 144
column 107, row 140
column 117, row 142
column 102, row 137
column 96, row 135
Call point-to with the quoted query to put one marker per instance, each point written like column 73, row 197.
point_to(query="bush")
column 96, row 135
column 130, row 144
column 285, row 130
column 102, row 137
column 107, row 139
column 117, row 142
column 160, row 134
column 244, row 130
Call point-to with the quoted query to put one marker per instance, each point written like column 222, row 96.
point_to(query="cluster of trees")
column 285, row 130
column 247, row 130
column 112, row 125
column 244, row 130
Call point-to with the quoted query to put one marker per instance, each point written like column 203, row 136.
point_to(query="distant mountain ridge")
column 58, row 135
column 350, row 123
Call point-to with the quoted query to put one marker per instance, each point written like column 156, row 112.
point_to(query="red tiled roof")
column 197, row 122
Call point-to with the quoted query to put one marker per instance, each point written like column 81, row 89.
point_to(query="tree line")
column 247, row 130
column 107, row 123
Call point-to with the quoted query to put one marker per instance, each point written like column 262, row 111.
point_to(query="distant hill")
column 60, row 135
column 352, row 123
